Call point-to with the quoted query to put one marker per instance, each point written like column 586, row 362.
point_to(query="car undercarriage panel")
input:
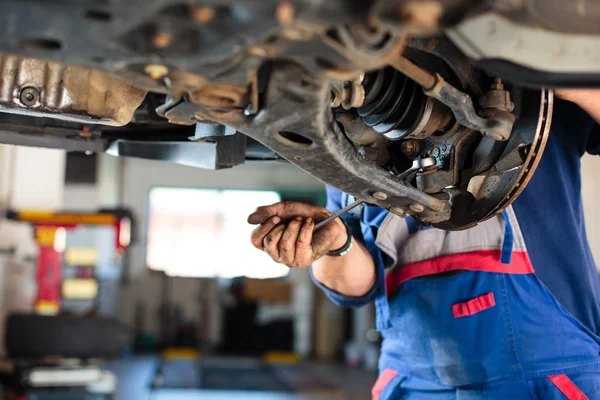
column 435, row 109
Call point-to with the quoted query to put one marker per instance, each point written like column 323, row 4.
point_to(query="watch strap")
column 345, row 249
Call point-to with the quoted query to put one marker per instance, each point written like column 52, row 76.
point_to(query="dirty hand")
column 285, row 232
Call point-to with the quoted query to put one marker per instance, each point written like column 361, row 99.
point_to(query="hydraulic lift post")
column 50, row 234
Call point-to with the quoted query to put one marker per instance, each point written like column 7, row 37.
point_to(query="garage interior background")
column 32, row 178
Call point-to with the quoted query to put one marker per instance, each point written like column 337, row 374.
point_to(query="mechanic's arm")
column 285, row 232
column 587, row 99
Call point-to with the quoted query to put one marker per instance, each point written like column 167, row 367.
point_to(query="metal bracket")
column 204, row 131
column 297, row 123
column 497, row 127
column 224, row 152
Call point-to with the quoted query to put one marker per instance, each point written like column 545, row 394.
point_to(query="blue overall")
column 491, row 329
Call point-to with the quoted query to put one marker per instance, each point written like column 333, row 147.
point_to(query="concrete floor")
column 135, row 376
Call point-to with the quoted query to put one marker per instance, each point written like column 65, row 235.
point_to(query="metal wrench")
column 419, row 163
column 337, row 214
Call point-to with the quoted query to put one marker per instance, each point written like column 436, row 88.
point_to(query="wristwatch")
column 345, row 249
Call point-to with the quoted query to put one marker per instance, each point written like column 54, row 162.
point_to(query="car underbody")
column 438, row 109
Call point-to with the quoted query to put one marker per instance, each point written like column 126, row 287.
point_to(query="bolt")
column 29, row 96
column 380, row 196
column 416, row 207
column 497, row 85
column 398, row 211
column 284, row 13
column 156, row 71
column 203, row 15
column 162, row 39
column 435, row 152
column 411, row 148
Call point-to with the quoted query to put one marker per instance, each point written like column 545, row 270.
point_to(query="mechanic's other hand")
column 285, row 232
column 579, row 96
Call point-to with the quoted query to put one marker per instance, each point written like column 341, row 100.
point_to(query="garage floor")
column 136, row 375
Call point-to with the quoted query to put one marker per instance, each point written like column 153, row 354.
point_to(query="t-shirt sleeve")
column 334, row 203
column 593, row 145
column 578, row 121
column 574, row 129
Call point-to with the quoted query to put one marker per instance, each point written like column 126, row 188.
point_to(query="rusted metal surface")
column 356, row 130
column 54, row 90
column 497, row 97
column 349, row 94
column 322, row 149
column 363, row 60
column 273, row 69
column 218, row 96
column 497, row 105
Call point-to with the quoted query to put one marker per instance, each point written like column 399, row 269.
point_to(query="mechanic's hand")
column 579, row 96
column 286, row 233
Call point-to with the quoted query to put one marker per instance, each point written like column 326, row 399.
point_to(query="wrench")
column 337, row 214
column 419, row 163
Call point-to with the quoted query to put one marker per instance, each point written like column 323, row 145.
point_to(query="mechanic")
column 507, row 309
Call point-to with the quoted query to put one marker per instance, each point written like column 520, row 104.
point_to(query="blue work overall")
column 463, row 315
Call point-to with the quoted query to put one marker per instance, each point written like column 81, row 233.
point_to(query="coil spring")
column 392, row 102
